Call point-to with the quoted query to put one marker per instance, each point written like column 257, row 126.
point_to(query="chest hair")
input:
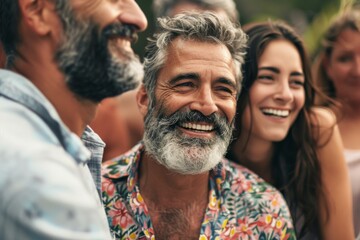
column 183, row 222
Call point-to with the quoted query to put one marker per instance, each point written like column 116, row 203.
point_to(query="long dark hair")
column 295, row 165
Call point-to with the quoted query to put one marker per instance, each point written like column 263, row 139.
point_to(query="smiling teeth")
column 275, row 112
column 198, row 127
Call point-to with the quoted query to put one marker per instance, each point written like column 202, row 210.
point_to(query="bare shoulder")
column 131, row 113
column 127, row 100
column 324, row 125
column 335, row 203
column 323, row 117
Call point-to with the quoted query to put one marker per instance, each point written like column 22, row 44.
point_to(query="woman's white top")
column 353, row 161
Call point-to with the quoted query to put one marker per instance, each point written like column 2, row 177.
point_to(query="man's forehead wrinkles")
column 205, row 67
column 209, row 62
column 178, row 54
column 85, row 7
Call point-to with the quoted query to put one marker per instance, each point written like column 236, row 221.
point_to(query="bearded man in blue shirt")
column 62, row 58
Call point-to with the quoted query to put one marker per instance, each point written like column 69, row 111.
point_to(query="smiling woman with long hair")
column 283, row 138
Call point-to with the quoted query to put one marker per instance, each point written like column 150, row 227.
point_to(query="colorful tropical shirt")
column 241, row 205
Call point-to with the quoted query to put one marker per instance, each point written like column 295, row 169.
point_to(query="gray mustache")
column 221, row 126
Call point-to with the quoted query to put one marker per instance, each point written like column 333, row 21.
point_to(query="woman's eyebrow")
column 297, row 74
column 273, row 69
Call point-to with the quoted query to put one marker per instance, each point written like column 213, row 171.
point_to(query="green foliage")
column 316, row 29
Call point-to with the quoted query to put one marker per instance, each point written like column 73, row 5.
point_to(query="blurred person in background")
column 118, row 121
column 337, row 72
column 63, row 58
column 162, row 8
column 287, row 141
column 119, row 124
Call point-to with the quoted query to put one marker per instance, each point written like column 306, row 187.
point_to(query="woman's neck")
column 256, row 155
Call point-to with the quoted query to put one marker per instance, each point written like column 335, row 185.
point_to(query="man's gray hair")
column 163, row 8
column 201, row 27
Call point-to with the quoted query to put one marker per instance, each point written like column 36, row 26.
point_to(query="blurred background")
column 309, row 17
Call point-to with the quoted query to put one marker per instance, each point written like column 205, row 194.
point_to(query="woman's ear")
column 142, row 100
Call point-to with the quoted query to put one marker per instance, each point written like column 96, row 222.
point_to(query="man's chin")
column 185, row 170
column 190, row 160
column 122, row 54
column 131, row 78
column 100, row 93
column 124, row 87
column 117, row 82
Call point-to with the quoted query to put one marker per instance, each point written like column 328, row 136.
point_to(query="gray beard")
column 181, row 154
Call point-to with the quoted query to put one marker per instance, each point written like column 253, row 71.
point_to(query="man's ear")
column 142, row 100
column 35, row 14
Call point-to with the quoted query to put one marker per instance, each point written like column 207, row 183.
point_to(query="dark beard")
column 91, row 71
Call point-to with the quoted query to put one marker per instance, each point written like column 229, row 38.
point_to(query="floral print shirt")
column 241, row 205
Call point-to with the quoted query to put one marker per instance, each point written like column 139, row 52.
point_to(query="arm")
column 47, row 198
column 335, row 179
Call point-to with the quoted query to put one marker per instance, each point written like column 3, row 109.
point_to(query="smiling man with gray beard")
column 178, row 152
column 176, row 184
column 62, row 58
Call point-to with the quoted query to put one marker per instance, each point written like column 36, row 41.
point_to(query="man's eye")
column 185, row 85
column 226, row 91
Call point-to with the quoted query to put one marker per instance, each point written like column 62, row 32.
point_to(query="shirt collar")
column 23, row 86
column 115, row 169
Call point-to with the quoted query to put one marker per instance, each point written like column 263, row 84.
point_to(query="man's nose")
column 132, row 14
column 204, row 102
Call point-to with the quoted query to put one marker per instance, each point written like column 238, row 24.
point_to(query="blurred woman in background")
column 287, row 141
column 337, row 72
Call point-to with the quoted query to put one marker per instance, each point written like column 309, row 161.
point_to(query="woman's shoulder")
column 322, row 117
column 324, row 125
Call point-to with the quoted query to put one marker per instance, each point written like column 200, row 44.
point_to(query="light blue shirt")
column 46, row 190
